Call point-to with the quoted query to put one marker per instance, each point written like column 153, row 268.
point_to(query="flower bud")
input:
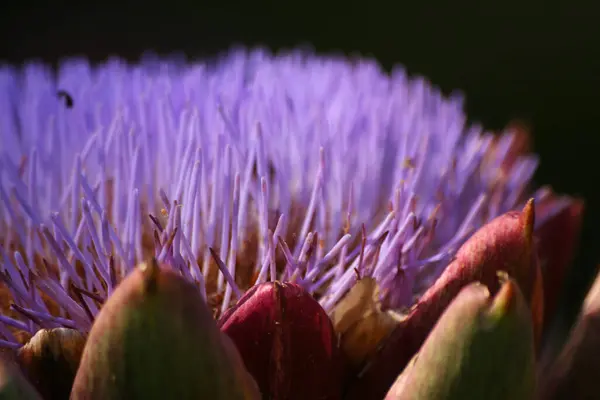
column 13, row 386
column 505, row 243
column 155, row 338
column 50, row 361
column 287, row 342
column 481, row 348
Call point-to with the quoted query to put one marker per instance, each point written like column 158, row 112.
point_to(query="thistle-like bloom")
column 246, row 169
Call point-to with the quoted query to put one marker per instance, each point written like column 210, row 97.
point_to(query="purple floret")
column 275, row 163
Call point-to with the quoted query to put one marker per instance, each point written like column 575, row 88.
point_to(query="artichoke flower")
column 267, row 226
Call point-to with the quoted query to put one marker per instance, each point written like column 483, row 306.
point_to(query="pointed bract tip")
column 528, row 217
column 506, row 298
column 150, row 270
column 475, row 291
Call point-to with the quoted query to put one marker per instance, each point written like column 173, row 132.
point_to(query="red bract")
column 287, row 342
column 557, row 241
column 506, row 243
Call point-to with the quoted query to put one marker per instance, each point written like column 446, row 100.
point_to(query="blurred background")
column 527, row 59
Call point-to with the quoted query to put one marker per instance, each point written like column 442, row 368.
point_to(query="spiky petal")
column 252, row 155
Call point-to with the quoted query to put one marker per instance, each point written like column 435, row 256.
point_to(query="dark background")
column 513, row 59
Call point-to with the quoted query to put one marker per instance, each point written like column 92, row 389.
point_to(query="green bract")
column 479, row 349
column 155, row 338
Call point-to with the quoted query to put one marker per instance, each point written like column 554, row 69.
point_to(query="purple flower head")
column 251, row 168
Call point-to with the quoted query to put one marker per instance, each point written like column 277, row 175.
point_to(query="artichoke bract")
column 287, row 342
column 505, row 243
column 558, row 236
column 488, row 355
column 361, row 322
column 155, row 338
column 574, row 374
column 50, row 360
column 13, row 386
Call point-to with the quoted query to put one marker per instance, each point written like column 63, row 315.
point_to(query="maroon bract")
column 505, row 243
column 558, row 238
column 287, row 342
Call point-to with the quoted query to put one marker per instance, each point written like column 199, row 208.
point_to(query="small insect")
column 68, row 98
